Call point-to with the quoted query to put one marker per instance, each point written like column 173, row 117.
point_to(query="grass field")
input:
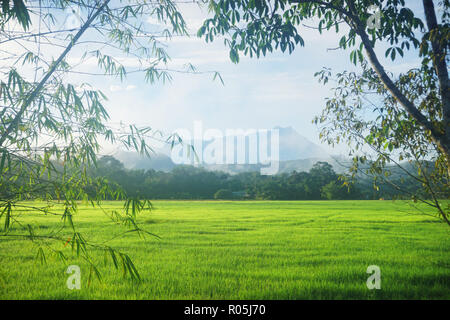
column 249, row 250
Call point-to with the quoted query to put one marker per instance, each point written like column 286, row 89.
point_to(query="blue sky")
column 276, row 90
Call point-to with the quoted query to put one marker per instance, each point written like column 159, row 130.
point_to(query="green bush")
column 223, row 194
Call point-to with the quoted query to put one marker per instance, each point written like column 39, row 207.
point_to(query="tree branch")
column 440, row 65
column 52, row 69
column 390, row 85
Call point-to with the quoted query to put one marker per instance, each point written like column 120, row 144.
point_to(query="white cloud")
column 114, row 88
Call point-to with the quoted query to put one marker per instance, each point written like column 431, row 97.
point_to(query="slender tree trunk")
column 440, row 136
column 440, row 66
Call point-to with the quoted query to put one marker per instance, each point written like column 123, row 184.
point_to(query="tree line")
column 189, row 182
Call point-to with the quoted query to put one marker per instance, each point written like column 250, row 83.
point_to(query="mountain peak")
column 288, row 129
column 294, row 146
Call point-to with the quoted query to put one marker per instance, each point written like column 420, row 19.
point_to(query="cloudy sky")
column 276, row 90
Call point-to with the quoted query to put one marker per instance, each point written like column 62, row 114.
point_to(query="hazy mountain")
column 295, row 153
column 288, row 166
column 294, row 146
column 133, row 160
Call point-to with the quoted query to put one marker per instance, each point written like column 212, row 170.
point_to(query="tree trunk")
column 440, row 66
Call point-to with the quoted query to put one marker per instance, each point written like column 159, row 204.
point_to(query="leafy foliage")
column 51, row 129
column 381, row 116
column 389, row 132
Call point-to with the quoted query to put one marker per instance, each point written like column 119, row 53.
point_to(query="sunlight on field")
column 248, row 250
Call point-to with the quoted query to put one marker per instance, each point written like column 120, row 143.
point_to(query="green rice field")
column 245, row 250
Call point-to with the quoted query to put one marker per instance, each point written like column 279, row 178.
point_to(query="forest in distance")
column 321, row 182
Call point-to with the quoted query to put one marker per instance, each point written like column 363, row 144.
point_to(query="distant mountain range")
column 294, row 146
column 295, row 153
column 133, row 160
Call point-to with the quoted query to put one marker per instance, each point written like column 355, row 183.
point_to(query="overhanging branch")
column 13, row 125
